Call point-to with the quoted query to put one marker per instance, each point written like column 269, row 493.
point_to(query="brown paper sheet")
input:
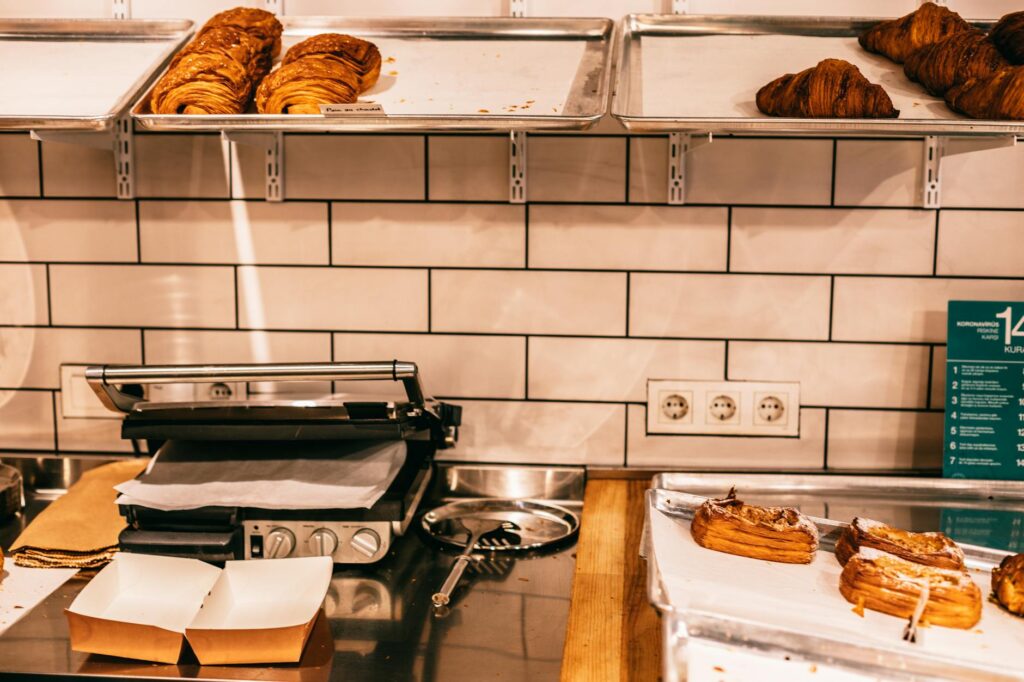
column 79, row 529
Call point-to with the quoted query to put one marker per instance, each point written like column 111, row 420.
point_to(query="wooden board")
column 613, row 632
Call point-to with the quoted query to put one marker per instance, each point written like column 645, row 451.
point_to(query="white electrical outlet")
column 723, row 408
column 186, row 393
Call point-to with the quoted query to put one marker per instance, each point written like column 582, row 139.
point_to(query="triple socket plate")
column 723, row 408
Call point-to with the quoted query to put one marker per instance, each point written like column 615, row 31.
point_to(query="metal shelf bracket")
column 272, row 144
column 120, row 141
column 679, row 145
column 122, row 9
column 935, row 147
column 517, row 8
column 517, row 167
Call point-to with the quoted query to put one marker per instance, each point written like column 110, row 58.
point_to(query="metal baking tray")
column 79, row 74
column 985, row 517
column 469, row 74
column 689, row 73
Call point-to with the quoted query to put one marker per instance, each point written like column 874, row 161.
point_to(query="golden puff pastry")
column 202, row 83
column 897, row 39
column 1008, row 36
column 930, row 549
column 1008, row 584
column 263, row 26
column 302, row 86
column 886, row 583
column 770, row 533
column 832, row 89
column 953, row 60
column 360, row 56
column 996, row 97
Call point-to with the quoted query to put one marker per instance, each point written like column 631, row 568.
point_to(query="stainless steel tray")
column 468, row 74
column 79, row 74
column 689, row 73
column 914, row 503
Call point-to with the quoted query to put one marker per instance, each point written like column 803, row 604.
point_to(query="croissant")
column 263, row 26
column 1008, row 36
column 886, row 583
column 770, row 533
column 1008, row 583
column 930, row 549
column 832, row 89
column 302, row 86
column 361, row 56
column 897, row 39
column 953, row 60
column 996, row 97
column 202, row 83
column 226, row 41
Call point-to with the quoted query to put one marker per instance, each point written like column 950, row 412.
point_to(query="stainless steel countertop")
column 507, row 621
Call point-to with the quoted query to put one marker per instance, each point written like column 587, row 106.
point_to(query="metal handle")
column 105, row 379
column 444, row 595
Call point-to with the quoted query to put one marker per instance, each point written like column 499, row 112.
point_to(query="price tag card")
column 985, row 391
column 353, row 109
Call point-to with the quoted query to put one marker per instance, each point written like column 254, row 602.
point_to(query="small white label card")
column 353, row 109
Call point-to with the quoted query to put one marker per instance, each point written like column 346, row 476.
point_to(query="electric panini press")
column 333, row 426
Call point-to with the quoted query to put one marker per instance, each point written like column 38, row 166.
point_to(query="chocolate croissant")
column 771, row 533
column 953, row 60
column 361, row 56
column 302, row 86
column 996, row 97
column 261, row 25
column 930, row 549
column 832, row 89
column 202, row 83
column 897, row 39
column 1008, row 584
column 1008, row 36
column 886, row 583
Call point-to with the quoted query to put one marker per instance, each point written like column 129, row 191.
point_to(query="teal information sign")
column 985, row 391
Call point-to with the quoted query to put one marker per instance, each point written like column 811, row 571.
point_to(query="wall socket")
column 187, row 393
column 723, row 408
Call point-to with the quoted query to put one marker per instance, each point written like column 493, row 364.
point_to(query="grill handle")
column 105, row 380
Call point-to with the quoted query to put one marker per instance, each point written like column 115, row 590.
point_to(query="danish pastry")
column 832, row 89
column 953, row 60
column 772, row 533
column 302, row 86
column 882, row 582
column 1008, row 36
column 930, row 549
column 1008, row 584
column 997, row 97
column 897, row 39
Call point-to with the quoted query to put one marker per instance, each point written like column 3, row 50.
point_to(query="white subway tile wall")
column 801, row 259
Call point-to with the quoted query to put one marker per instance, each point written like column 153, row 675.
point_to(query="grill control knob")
column 323, row 542
column 366, row 542
column 280, row 543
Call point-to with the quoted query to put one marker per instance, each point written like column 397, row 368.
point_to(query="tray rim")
column 636, row 25
column 172, row 31
column 601, row 30
column 760, row 637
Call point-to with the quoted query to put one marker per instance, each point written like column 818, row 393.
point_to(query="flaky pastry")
column 930, row 549
column 897, row 39
column 1008, row 584
column 771, row 533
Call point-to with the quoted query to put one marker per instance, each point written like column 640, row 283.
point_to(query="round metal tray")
column 537, row 524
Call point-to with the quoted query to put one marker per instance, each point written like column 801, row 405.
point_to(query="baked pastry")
column 202, row 83
column 897, row 39
column 1008, row 36
column 361, row 56
column 302, row 86
column 930, row 549
column 260, row 24
column 953, row 60
column 772, row 533
column 882, row 582
column 997, row 97
column 832, row 89
column 1007, row 583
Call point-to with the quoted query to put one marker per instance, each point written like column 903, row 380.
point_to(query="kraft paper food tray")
column 145, row 607
column 796, row 609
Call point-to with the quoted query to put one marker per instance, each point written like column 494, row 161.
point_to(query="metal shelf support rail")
column 272, row 145
column 120, row 141
column 517, row 138
column 680, row 144
column 935, row 147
